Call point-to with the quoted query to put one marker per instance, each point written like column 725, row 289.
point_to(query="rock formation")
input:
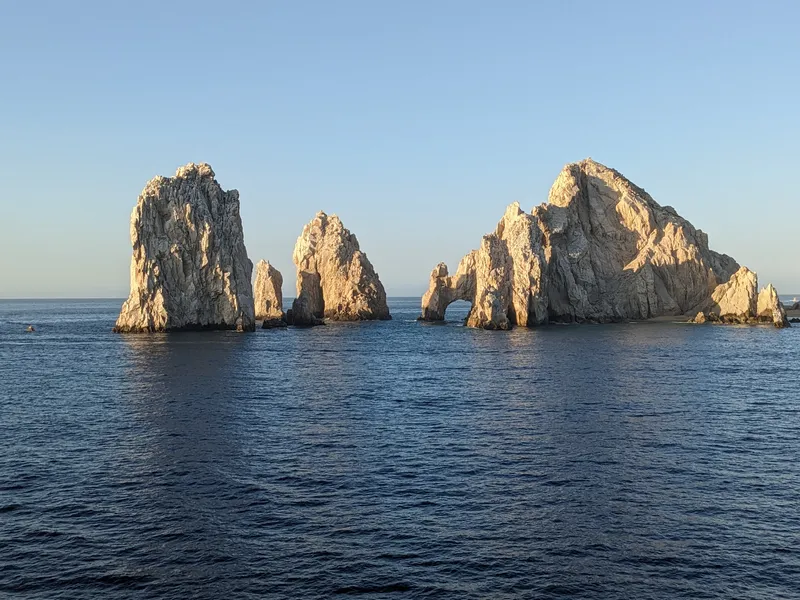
column 600, row 250
column 738, row 301
column 335, row 280
column 189, row 268
column 769, row 307
column 301, row 315
column 735, row 300
column 268, row 295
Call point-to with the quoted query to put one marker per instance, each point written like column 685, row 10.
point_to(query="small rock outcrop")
column 189, row 268
column 600, row 250
column 335, row 280
column 268, row 295
column 769, row 308
column 301, row 314
column 737, row 301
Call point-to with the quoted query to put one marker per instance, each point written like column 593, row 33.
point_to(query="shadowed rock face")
column 335, row 280
column 600, row 250
column 189, row 268
column 267, row 292
column 301, row 315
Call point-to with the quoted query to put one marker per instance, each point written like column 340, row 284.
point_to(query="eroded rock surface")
column 735, row 300
column 335, row 280
column 189, row 268
column 268, row 295
column 769, row 307
column 600, row 250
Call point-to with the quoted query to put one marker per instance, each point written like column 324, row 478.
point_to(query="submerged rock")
column 274, row 323
column 189, row 268
column 600, row 250
column 335, row 280
column 268, row 295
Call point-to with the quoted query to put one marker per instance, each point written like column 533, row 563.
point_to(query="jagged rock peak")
column 335, row 280
column 268, row 295
column 195, row 170
column 770, row 308
column 592, row 168
column 601, row 249
column 735, row 300
column 189, row 268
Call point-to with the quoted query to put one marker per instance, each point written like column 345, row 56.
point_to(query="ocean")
column 396, row 460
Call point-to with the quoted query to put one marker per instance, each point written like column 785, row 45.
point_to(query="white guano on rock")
column 189, row 268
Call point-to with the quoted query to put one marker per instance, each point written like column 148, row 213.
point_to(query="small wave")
column 352, row 590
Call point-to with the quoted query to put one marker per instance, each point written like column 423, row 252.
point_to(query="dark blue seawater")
column 396, row 460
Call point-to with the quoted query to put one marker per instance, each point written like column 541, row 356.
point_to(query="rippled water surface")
column 396, row 459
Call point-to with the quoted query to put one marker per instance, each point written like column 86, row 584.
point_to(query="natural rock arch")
column 600, row 250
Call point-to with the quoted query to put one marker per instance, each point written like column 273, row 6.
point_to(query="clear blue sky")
column 416, row 121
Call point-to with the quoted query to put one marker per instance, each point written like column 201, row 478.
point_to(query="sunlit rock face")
column 335, row 280
column 501, row 279
column 769, row 308
column 734, row 301
column 615, row 253
column 600, row 250
column 737, row 301
column 189, row 268
column 268, row 295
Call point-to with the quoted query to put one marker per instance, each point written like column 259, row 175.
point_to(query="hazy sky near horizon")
column 416, row 122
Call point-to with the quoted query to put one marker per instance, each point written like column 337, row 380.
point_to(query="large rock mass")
column 268, row 295
column 600, row 250
column 189, row 268
column 335, row 280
